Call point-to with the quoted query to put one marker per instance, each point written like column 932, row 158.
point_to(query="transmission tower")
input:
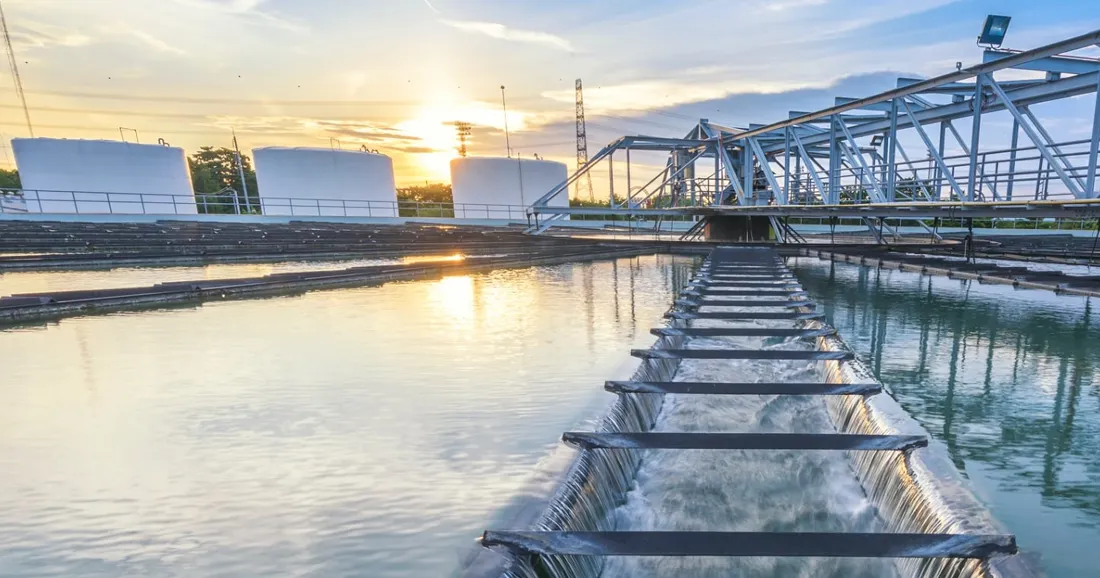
column 464, row 130
column 584, row 184
column 14, row 66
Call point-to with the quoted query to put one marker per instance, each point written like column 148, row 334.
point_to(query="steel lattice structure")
column 849, row 159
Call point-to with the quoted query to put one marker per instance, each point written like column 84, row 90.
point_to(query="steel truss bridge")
column 849, row 160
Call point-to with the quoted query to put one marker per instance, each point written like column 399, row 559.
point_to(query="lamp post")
column 994, row 30
column 507, row 138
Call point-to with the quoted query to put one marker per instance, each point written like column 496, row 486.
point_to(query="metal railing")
column 21, row 201
column 1009, row 224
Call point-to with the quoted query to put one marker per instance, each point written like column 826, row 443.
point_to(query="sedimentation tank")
column 102, row 176
column 488, row 184
column 325, row 182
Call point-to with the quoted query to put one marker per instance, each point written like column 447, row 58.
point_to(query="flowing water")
column 746, row 491
column 1006, row 379
column 354, row 432
column 763, row 491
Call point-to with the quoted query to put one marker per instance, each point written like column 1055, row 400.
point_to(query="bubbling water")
column 769, row 491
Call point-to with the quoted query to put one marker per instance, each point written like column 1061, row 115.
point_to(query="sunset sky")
column 395, row 74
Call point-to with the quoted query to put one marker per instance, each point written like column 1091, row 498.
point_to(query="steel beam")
column 804, row 544
column 742, row 441
column 742, row 332
column 1071, row 184
column 1013, row 61
column 1056, row 64
column 757, row 354
column 723, row 388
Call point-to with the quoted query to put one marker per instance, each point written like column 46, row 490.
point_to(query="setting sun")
column 434, row 126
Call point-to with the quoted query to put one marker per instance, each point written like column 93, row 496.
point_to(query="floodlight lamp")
column 876, row 140
column 994, row 30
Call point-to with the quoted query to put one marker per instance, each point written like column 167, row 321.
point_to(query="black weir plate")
column 727, row 388
column 763, row 354
column 710, row 279
column 742, row 441
column 698, row 292
column 742, row 303
column 745, row 284
column 743, row 315
column 741, row 332
column 735, row 544
column 749, row 275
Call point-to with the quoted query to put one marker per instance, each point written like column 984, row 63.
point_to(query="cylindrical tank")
column 325, row 182
column 488, row 184
column 102, row 176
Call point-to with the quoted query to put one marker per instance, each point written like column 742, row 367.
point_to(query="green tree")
column 9, row 179
column 213, row 170
column 426, row 193
column 409, row 200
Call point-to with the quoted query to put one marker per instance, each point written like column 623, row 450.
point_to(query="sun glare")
column 438, row 139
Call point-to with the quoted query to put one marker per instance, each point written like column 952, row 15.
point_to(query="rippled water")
column 1008, row 379
column 353, row 432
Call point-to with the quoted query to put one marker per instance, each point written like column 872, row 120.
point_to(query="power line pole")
column 584, row 184
column 14, row 66
column 464, row 130
column 240, row 171
column 507, row 138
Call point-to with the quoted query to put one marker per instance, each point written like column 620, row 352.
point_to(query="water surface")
column 14, row 282
column 1006, row 378
column 351, row 432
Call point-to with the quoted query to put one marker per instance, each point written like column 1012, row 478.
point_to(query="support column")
column 975, row 136
column 629, row 190
column 611, row 179
column 747, row 176
column 891, row 154
column 834, row 163
column 1012, row 158
column 1090, row 181
column 786, row 165
column 798, row 177
column 717, row 168
column 943, row 146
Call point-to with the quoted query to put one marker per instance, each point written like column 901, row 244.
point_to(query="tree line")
column 9, row 179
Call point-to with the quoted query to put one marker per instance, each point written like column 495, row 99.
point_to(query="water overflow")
column 653, row 491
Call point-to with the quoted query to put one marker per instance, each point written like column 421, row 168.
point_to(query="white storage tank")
column 306, row 181
column 102, row 176
column 488, row 186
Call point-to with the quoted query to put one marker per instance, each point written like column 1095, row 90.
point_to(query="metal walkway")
column 887, row 156
column 766, row 265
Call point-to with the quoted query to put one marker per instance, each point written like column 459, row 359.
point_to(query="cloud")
column 348, row 131
column 502, row 32
column 154, row 42
column 649, row 94
column 788, row 4
column 416, row 150
column 248, row 9
column 364, row 130
column 31, row 34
